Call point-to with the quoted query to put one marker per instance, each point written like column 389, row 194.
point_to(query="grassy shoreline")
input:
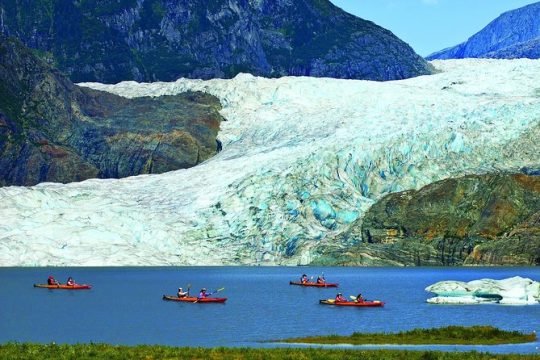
column 19, row 351
column 454, row 335
column 451, row 335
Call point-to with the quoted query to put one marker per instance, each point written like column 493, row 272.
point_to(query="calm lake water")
column 125, row 305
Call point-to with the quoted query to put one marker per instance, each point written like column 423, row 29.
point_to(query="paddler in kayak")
column 320, row 280
column 70, row 281
column 359, row 298
column 52, row 281
column 340, row 298
column 203, row 294
column 304, row 279
column 181, row 293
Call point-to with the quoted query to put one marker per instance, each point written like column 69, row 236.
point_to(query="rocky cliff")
column 53, row 130
column 514, row 34
column 488, row 219
column 148, row 40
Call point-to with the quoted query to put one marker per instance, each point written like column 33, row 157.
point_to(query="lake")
column 125, row 305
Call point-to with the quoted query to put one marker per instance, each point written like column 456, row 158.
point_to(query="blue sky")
column 431, row 25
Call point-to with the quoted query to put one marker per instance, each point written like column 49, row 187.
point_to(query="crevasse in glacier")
column 512, row 291
column 302, row 159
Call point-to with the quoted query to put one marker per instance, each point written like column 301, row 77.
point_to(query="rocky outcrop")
column 148, row 40
column 481, row 219
column 514, row 34
column 53, row 130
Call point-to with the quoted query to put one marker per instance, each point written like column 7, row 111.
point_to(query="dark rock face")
column 52, row 130
column 148, row 40
column 488, row 219
column 514, row 34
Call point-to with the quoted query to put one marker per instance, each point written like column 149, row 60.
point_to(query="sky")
column 431, row 25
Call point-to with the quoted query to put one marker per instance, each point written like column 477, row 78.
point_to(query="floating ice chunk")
column 514, row 291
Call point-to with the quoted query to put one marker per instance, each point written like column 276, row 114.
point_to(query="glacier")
column 511, row 291
column 303, row 158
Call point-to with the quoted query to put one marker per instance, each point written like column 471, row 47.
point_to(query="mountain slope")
column 148, row 40
column 528, row 49
column 53, row 130
column 303, row 159
column 514, row 34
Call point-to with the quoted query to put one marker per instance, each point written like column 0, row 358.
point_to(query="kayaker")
column 304, row 279
column 320, row 280
column 70, row 281
column 52, row 281
column 181, row 293
column 203, row 294
column 340, row 298
column 359, row 298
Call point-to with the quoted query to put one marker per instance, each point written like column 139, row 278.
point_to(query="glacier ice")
column 512, row 291
column 302, row 159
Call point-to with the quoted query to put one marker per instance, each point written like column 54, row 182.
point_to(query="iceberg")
column 511, row 291
column 302, row 161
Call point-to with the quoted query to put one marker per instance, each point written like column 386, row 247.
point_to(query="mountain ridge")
column 513, row 34
column 162, row 40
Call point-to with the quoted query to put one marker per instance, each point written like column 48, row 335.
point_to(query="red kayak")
column 193, row 299
column 367, row 303
column 64, row 286
column 314, row 284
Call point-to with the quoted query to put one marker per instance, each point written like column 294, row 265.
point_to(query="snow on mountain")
column 515, row 291
column 302, row 159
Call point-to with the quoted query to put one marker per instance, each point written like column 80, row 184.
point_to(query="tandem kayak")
column 64, row 286
column 367, row 303
column 314, row 284
column 193, row 299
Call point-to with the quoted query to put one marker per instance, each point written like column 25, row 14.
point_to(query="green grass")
column 15, row 351
column 451, row 335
